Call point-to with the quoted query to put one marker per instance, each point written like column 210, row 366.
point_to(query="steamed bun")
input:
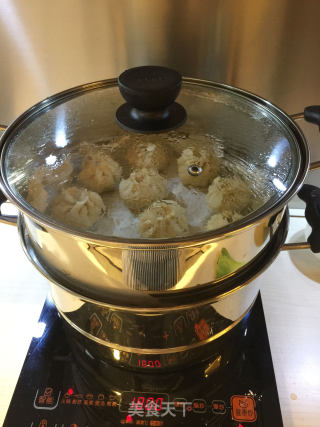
column 143, row 187
column 164, row 218
column 147, row 154
column 99, row 172
column 203, row 157
column 77, row 207
column 37, row 195
column 57, row 173
column 228, row 193
column 222, row 219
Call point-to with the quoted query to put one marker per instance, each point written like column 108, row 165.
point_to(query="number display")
column 149, row 363
column 141, row 401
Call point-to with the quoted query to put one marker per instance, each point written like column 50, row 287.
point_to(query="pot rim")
column 230, row 229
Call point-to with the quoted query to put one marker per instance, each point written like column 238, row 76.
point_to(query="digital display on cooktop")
column 62, row 388
column 143, row 403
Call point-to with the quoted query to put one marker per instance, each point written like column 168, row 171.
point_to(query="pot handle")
column 311, row 114
column 6, row 219
column 309, row 193
column 311, row 196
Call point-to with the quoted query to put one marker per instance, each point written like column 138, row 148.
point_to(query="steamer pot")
column 253, row 134
column 188, row 331
column 158, row 302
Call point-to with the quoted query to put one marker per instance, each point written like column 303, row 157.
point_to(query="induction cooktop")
column 60, row 388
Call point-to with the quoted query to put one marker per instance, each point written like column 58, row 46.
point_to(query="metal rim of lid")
column 56, row 99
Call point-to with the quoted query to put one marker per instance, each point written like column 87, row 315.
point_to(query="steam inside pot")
column 75, row 166
column 141, row 186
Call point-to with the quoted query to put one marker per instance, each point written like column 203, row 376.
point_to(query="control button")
column 243, row 408
column 199, row 405
column 179, row 404
column 219, row 407
column 46, row 399
column 43, row 423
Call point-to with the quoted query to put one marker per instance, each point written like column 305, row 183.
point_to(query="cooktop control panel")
column 61, row 388
column 139, row 408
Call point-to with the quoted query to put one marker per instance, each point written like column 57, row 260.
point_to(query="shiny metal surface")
column 98, row 264
column 315, row 165
column 107, row 270
column 262, row 47
column 162, row 338
column 151, row 302
column 268, row 48
column 6, row 219
column 279, row 128
column 194, row 170
column 297, row 116
column 295, row 246
column 259, row 46
column 228, row 313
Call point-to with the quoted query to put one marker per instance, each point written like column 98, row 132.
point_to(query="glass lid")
column 72, row 160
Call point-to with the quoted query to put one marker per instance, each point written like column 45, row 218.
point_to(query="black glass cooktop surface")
column 57, row 389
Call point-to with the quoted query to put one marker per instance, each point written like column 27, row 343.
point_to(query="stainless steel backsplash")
column 268, row 47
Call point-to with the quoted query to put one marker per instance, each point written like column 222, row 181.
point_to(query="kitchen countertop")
column 291, row 299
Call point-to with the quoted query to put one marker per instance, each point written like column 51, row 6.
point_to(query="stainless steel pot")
column 184, row 330
column 104, row 286
column 117, row 269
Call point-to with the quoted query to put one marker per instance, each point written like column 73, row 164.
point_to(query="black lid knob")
column 150, row 92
